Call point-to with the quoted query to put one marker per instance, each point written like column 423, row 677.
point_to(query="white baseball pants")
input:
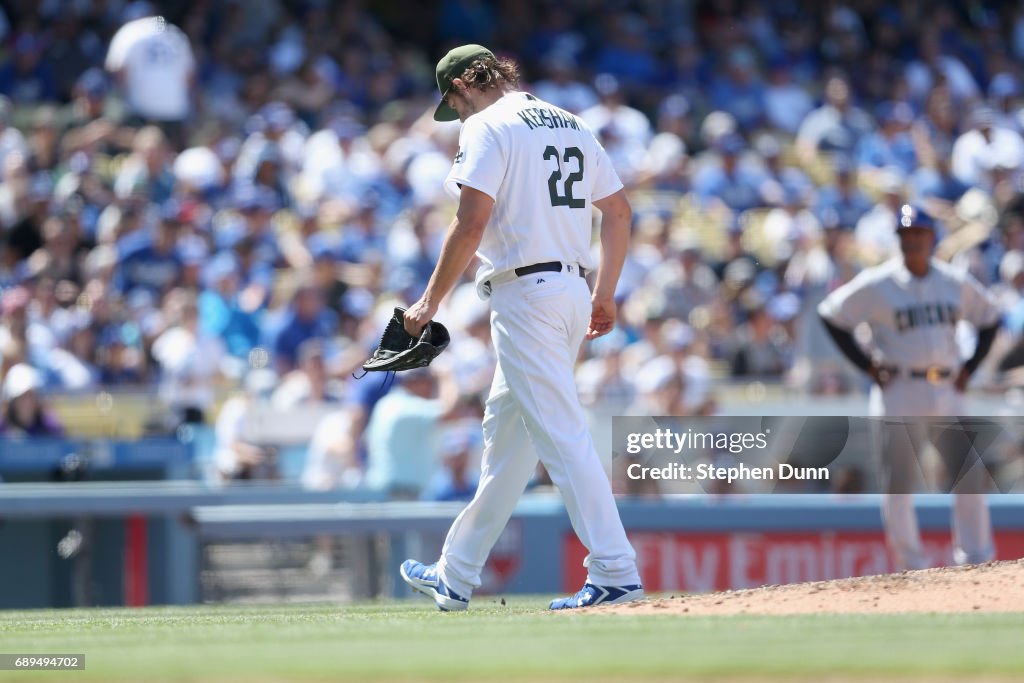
column 533, row 411
column 900, row 451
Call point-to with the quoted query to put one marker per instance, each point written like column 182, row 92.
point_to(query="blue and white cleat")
column 424, row 578
column 592, row 595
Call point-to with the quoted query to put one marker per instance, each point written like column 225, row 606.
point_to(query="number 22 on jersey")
column 564, row 197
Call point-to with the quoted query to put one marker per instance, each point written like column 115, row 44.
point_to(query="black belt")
column 549, row 267
column 933, row 374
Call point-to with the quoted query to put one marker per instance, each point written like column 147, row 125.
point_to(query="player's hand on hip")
column 962, row 378
column 417, row 316
column 602, row 317
column 880, row 375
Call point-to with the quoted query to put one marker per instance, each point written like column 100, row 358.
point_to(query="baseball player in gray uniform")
column 912, row 305
column 526, row 177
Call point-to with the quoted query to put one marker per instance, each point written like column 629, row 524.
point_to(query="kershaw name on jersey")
column 543, row 167
column 544, row 117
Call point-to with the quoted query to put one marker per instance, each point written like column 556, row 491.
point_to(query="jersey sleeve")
column 119, row 45
column 850, row 305
column 978, row 306
column 606, row 180
column 481, row 161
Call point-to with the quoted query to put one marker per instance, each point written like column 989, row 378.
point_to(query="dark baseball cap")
column 914, row 217
column 452, row 66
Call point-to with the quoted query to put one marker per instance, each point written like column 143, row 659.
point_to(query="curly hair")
column 490, row 72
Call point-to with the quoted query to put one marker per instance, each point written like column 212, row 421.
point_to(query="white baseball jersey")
column 543, row 167
column 157, row 61
column 913, row 320
column 913, row 323
column 557, row 163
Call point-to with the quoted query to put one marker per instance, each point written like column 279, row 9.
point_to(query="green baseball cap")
column 452, row 66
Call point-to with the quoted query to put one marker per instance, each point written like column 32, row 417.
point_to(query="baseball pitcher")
column 527, row 175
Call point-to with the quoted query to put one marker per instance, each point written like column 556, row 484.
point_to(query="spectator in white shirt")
column 624, row 131
column 836, row 125
column 235, row 456
column 189, row 362
column 154, row 65
column 985, row 147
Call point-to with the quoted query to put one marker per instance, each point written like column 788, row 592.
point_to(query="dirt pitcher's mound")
column 992, row 587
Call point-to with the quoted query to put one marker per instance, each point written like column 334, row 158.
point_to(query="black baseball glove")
column 398, row 350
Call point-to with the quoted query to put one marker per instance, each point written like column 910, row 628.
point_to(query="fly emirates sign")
column 702, row 562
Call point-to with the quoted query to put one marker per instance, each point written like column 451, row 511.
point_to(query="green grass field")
column 409, row 641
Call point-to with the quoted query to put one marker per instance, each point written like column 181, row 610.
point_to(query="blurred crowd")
column 221, row 201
